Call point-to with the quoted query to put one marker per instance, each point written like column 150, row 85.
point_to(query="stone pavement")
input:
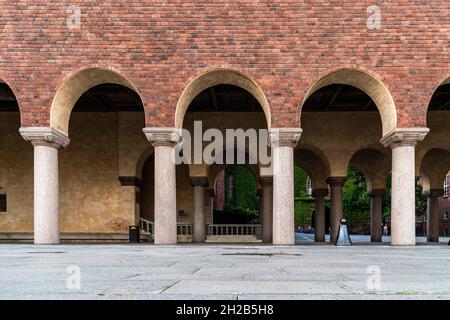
column 224, row 272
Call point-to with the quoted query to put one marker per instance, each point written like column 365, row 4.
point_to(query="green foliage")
column 387, row 198
column 244, row 200
column 355, row 198
column 302, row 206
column 421, row 201
column 243, row 205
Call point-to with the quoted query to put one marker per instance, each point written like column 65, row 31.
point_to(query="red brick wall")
column 283, row 45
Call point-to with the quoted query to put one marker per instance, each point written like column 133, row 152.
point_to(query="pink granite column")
column 164, row 140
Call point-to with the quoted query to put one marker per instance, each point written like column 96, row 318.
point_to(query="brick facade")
column 284, row 46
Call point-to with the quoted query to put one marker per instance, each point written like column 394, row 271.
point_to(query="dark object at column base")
column 343, row 239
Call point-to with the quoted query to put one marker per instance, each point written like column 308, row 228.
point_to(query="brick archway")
column 367, row 83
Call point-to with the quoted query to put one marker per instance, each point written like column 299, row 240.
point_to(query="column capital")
column 199, row 181
column 377, row 193
column 433, row 193
column 45, row 136
column 320, row 193
column 163, row 137
column 400, row 137
column 336, row 181
column 266, row 181
column 284, row 137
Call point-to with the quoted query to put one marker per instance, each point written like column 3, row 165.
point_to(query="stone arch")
column 434, row 167
column 215, row 77
column 374, row 165
column 74, row 86
column 367, row 83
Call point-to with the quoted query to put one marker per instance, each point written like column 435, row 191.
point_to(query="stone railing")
column 234, row 230
column 184, row 230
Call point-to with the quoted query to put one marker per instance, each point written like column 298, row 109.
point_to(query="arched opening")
column 366, row 198
column 342, row 83
column 235, row 107
column 236, row 214
column 236, row 197
column 98, row 185
column 433, row 202
column 344, row 112
column 303, row 203
column 16, row 171
column 433, row 166
column 312, row 212
column 77, row 85
column 220, row 77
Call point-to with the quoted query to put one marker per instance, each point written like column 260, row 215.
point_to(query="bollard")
column 343, row 239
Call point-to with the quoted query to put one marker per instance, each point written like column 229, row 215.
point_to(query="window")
column 446, row 216
column 2, row 202
column 446, row 185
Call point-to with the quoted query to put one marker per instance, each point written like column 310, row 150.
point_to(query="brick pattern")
column 284, row 45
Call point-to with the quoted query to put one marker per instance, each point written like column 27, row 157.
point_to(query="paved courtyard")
column 224, row 272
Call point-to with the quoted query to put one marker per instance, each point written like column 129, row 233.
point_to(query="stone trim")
column 163, row 137
column 129, row 181
column 45, row 136
column 199, row 181
column 377, row 193
column 336, row 181
column 433, row 193
column 266, row 181
column 320, row 193
column 401, row 137
column 284, row 137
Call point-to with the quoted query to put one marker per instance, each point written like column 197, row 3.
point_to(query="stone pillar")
column 282, row 142
column 337, row 206
column 164, row 141
column 319, row 214
column 46, row 142
column 403, row 207
column 433, row 214
column 199, row 184
column 376, row 197
column 267, row 207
